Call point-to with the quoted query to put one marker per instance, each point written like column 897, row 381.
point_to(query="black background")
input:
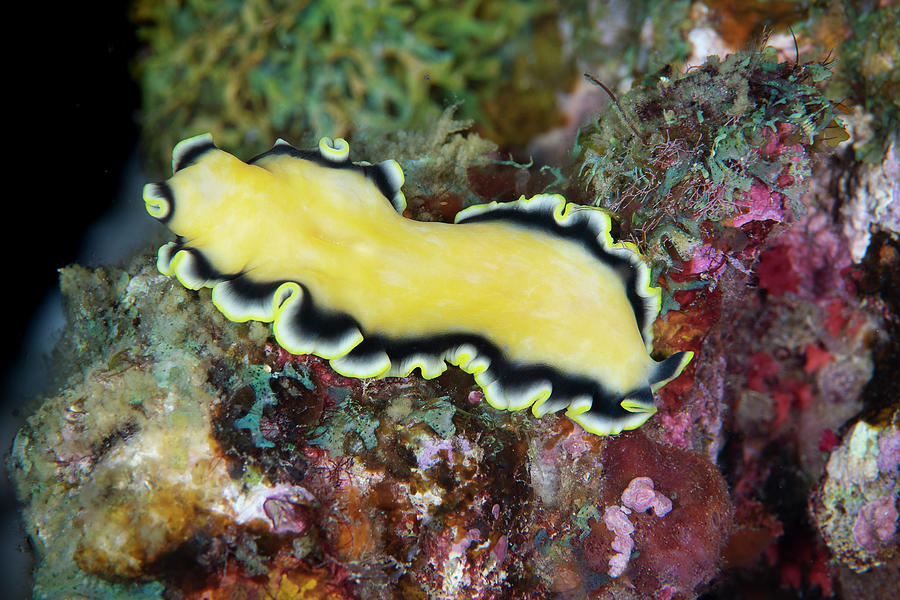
column 71, row 127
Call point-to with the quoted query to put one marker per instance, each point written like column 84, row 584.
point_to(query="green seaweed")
column 251, row 420
column 249, row 72
column 350, row 417
column 630, row 38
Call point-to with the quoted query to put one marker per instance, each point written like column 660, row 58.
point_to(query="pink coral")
column 617, row 564
column 640, row 496
column 661, row 505
column 876, row 523
column 623, row 545
column 617, row 521
column 762, row 204
column 889, row 451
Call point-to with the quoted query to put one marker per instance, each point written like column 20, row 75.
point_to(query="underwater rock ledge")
column 193, row 454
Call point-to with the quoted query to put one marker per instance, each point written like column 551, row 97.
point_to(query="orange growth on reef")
column 353, row 534
column 685, row 329
column 739, row 21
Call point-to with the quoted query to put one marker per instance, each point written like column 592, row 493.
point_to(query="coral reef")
column 199, row 454
column 700, row 169
column 758, row 263
column 726, row 143
column 639, row 496
column 181, row 455
column 866, row 42
column 855, row 505
column 195, row 453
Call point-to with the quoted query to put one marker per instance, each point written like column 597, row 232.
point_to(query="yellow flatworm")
column 531, row 297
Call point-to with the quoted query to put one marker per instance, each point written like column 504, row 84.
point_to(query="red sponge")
column 681, row 550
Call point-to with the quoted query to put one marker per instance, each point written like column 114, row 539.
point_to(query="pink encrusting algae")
column 876, row 523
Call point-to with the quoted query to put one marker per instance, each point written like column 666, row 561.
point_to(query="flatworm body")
column 531, row 297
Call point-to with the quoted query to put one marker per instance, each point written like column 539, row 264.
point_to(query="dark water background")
column 70, row 140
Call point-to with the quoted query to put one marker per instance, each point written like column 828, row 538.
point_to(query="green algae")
column 678, row 151
column 299, row 69
column 350, row 418
column 583, row 519
column 439, row 416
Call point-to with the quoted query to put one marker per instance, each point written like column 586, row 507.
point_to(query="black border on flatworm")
column 511, row 376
